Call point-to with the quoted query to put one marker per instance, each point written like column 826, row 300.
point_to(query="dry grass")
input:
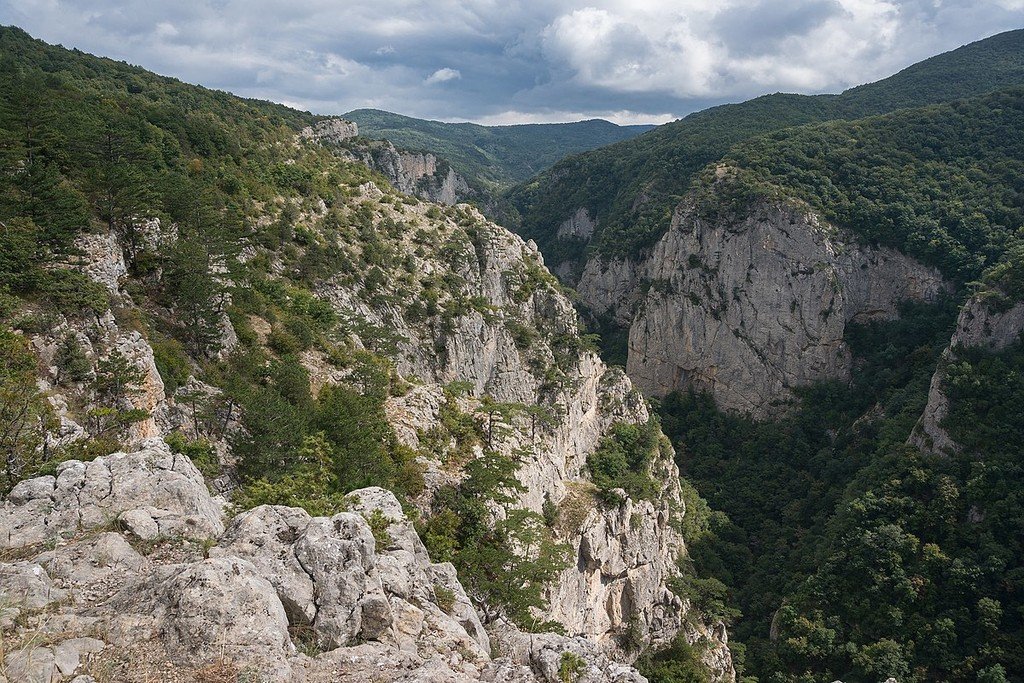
column 580, row 499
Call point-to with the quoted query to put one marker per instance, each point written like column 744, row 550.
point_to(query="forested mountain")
column 266, row 417
column 493, row 156
column 630, row 189
column 825, row 293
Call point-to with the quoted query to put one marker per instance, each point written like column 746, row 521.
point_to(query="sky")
column 505, row 61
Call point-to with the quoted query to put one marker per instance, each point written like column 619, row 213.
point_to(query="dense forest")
column 631, row 187
column 835, row 550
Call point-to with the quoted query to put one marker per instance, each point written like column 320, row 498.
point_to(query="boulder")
column 152, row 484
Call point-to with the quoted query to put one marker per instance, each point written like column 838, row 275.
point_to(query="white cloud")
column 443, row 75
column 689, row 52
column 633, row 59
column 623, row 118
column 166, row 29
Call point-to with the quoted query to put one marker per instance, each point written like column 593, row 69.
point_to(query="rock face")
column 420, row 174
column 579, row 226
column 330, row 131
column 751, row 306
column 626, row 556
column 151, row 491
column 977, row 326
column 282, row 595
column 501, row 327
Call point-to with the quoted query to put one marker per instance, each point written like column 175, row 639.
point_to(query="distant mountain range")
column 496, row 156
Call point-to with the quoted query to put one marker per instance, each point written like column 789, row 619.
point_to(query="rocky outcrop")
column 152, row 492
column 520, row 344
column 330, row 131
column 979, row 325
column 102, row 259
column 281, row 595
column 579, row 226
column 499, row 326
column 420, row 174
column 749, row 307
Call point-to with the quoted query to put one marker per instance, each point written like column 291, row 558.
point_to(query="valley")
column 292, row 397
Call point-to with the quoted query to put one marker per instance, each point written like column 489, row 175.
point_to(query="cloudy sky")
column 505, row 61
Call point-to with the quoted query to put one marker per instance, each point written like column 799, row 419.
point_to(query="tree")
column 72, row 363
column 24, row 413
column 196, row 295
column 117, row 380
column 120, row 189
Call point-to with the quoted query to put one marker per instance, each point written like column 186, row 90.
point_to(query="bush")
column 199, row 451
column 171, row 362
column 622, row 461
column 444, row 597
column 680, row 662
column 570, row 667
column 71, row 361
column 72, row 293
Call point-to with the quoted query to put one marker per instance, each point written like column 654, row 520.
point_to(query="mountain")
column 826, row 300
column 265, row 417
column 628, row 190
column 493, row 156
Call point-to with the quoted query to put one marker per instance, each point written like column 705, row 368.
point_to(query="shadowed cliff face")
column 750, row 306
column 978, row 326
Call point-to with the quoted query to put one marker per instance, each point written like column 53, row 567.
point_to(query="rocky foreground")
column 125, row 568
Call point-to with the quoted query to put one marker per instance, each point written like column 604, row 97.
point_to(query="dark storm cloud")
column 504, row 61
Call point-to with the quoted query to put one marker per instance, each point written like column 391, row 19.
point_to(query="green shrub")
column 72, row 293
column 71, row 361
column 570, row 667
column 444, row 597
column 171, row 362
column 680, row 662
column 199, row 451
column 622, row 460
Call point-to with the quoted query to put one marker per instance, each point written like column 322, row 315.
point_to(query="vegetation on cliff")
column 631, row 188
column 851, row 555
column 493, row 156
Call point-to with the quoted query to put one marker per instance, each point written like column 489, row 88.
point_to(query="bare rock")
column 751, row 307
column 24, row 586
column 330, row 131
column 217, row 607
column 94, row 559
column 31, row 665
column 87, row 495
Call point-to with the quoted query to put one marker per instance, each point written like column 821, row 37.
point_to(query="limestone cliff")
column 420, row 174
column 458, row 300
column 978, row 326
column 125, row 568
column 750, row 306
column 518, row 341
column 330, row 131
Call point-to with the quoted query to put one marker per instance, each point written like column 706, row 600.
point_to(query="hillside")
column 833, row 322
column 493, row 156
column 264, row 417
column 630, row 189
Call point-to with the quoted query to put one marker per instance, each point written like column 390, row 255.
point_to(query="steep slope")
column 492, row 155
column 183, row 265
column 420, row 174
column 794, row 235
column 629, row 189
